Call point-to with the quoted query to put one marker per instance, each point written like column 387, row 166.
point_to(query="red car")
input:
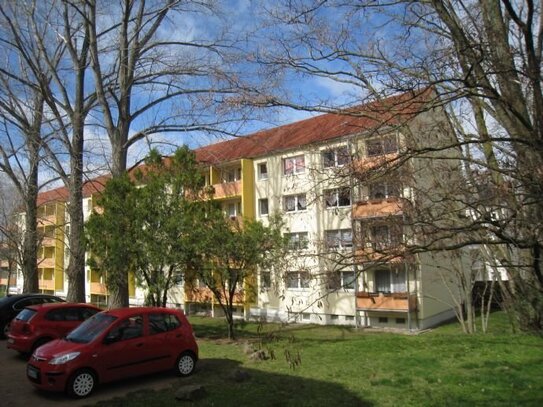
column 39, row 324
column 113, row 345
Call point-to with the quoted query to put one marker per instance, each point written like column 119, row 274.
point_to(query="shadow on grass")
column 260, row 388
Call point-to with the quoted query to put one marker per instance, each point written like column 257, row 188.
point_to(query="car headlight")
column 60, row 360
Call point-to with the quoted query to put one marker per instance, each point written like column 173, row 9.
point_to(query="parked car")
column 113, row 345
column 11, row 305
column 38, row 324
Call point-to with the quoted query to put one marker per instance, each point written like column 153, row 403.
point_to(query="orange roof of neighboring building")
column 394, row 110
column 390, row 111
column 61, row 194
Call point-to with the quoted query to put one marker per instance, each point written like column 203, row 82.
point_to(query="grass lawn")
column 341, row 366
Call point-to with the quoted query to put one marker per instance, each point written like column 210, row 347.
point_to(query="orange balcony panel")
column 4, row 264
column 227, row 189
column 46, row 284
column 199, row 295
column 48, row 241
column 48, row 263
column 379, row 208
column 392, row 255
column 370, row 163
column 386, row 302
column 98, row 288
column 47, row 220
column 205, row 295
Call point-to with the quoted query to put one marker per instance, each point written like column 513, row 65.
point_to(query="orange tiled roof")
column 391, row 111
column 61, row 194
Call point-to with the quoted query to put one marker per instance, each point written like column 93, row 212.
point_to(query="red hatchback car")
column 112, row 345
column 38, row 324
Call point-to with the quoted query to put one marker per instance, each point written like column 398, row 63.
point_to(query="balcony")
column 368, row 301
column 47, row 263
column 379, row 208
column 204, row 295
column 46, row 284
column 366, row 164
column 98, row 288
column 47, row 220
column 227, row 189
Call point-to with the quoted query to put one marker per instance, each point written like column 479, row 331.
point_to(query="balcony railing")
column 47, row 263
column 98, row 288
column 204, row 295
column 370, row 163
column 369, row 301
column 227, row 189
column 46, row 284
column 392, row 206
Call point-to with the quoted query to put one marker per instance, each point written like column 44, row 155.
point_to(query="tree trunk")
column 30, row 237
column 76, row 267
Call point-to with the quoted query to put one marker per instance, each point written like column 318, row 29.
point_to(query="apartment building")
column 347, row 262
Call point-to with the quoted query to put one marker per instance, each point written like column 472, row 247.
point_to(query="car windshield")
column 26, row 314
column 91, row 328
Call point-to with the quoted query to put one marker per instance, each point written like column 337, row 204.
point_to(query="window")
column 383, row 190
column 265, row 280
column 233, row 209
column 128, row 329
column 335, row 157
column 294, row 165
column 390, row 281
column 263, row 209
column 297, row 280
column 380, row 146
column 384, row 237
column 339, row 239
column 400, row 321
column 341, row 280
column 306, row 316
column 337, row 198
column 297, row 241
column 263, row 170
column 383, row 320
column 159, row 323
column 295, row 203
column 231, row 175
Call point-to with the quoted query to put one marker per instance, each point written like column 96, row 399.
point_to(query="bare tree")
column 152, row 77
column 482, row 61
column 22, row 116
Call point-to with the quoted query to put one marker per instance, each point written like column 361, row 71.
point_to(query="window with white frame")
column 233, row 209
column 297, row 280
column 381, row 146
column 337, row 198
column 382, row 190
column 390, row 281
column 294, row 165
column 341, row 280
column 297, row 240
column 263, row 208
column 231, row 174
column 339, row 238
column 335, row 157
column 262, row 170
column 294, row 203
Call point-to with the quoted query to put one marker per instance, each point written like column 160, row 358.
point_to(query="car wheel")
column 81, row 384
column 186, row 363
column 4, row 330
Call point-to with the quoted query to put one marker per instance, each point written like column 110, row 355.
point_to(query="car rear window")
column 26, row 314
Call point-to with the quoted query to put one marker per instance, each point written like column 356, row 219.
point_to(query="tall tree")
column 57, row 61
column 483, row 62
column 151, row 77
